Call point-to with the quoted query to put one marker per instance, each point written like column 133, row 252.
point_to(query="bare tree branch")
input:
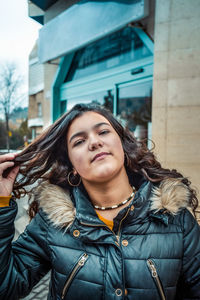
column 10, row 82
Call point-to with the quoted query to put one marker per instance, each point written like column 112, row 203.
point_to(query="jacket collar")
column 158, row 202
column 84, row 209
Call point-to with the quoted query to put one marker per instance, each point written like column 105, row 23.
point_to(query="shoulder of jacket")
column 171, row 196
column 55, row 205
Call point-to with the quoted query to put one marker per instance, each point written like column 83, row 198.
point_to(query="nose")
column 95, row 142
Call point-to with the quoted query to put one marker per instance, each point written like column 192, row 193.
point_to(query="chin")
column 102, row 179
column 106, row 174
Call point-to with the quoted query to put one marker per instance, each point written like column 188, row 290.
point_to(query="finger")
column 5, row 165
column 15, row 153
column 6, row 157
column 13, row 173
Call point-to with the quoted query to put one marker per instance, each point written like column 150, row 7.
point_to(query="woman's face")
column 94, row 148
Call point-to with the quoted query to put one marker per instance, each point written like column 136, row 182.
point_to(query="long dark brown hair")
column 46, row 158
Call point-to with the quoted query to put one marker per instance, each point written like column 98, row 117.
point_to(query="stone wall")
column 176, row 90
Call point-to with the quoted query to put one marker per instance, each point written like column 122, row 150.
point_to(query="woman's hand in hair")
column 8, row 173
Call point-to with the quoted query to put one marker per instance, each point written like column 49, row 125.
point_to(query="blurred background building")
column 138, row 58
column 36, row 93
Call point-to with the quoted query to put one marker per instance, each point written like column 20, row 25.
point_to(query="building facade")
column 36, row 93
column 138, row 58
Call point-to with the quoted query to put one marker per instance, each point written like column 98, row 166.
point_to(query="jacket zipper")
column 118, row 233
column 101, row 225
column 79, row 265
column 154, row 274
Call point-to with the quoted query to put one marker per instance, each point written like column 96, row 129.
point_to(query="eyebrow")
column 80, row 133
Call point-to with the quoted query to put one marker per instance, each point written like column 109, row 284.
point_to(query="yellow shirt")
column 109, row 223
column 4, row 201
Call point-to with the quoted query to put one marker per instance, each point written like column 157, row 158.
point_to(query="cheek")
column 77, row 159
column 119, row 149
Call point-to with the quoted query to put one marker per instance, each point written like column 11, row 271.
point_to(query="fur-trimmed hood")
column 169, row 197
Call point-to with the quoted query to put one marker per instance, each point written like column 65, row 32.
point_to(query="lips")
column 102, row 154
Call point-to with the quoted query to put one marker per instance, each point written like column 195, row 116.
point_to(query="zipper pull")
column 154, row 274
column 152, row 267
column 83, row 260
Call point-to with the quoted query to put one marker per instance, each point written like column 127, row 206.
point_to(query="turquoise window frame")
column 106, row 80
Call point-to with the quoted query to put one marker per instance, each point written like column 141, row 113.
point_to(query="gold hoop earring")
column 72, row 181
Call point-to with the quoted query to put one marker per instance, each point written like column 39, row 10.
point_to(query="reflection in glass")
column 103, row 98
column 134, row 108
column 114, row 50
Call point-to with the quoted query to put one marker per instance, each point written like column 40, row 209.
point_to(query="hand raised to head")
column 7, row 182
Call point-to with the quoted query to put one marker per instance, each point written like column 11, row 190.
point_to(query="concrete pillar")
column 176, row 90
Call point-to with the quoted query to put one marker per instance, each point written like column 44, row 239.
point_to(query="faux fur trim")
column 56, row 203
column 170, row 196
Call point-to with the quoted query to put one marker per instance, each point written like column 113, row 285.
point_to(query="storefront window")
column 104, row 98
column 117, row 49
column 134, row 108
column 128, row 91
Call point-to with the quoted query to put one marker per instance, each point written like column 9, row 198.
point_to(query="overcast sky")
column 18, row 34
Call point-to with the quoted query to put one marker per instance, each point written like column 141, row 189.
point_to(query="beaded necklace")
column 117, row 205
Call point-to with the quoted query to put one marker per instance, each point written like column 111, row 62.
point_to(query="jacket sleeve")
column 24, row 262
column 189, row 283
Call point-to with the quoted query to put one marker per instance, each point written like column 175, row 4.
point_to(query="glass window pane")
column 121, row 47
column 104, row 98
column 134, row 108
column 39, row 109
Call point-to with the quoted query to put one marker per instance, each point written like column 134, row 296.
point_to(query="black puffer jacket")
column 154, row 252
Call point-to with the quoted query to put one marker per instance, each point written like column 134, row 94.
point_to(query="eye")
column 78, row 142
column 104, row 131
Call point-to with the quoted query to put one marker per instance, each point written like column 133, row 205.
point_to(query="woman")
column 108, row 220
